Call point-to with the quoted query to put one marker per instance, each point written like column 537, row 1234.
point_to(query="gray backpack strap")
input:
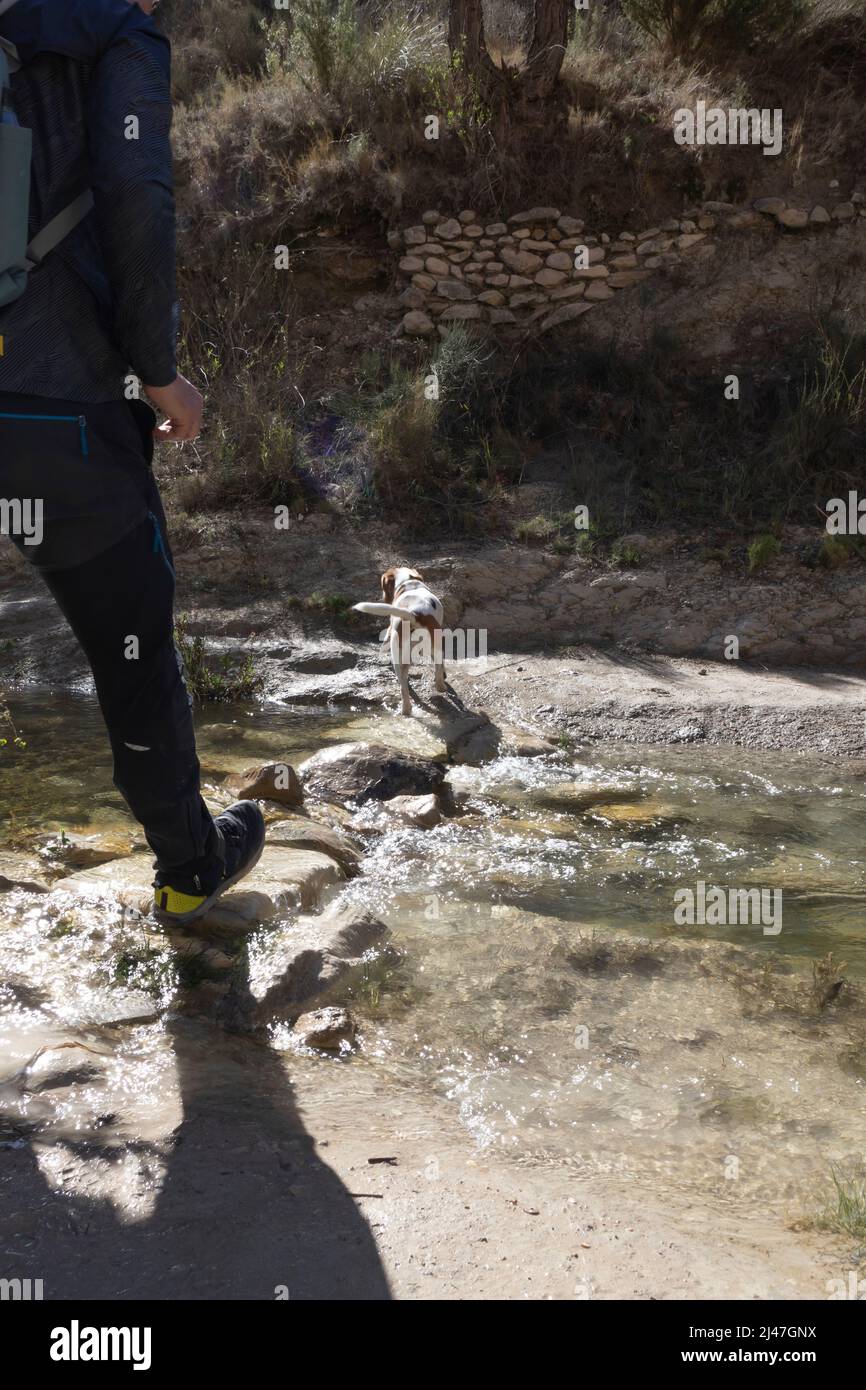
column 58, row 228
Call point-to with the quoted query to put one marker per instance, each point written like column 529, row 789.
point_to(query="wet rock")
column 369, row 772
column 113, row 1008
column 572, row 798
column 75, row 849
column 478, row 740
column 327, row 1028
column 21, row 871
column 284, row 880
column 313, row 959
column 421, row 811
column 271, row 782
column 636, row 814
column 301, row 833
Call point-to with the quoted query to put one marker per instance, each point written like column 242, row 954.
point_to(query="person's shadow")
column 246, row 1208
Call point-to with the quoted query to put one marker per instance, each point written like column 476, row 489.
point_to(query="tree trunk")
column 547, row 47
column 535, row 82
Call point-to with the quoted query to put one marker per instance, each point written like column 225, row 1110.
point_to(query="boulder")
column 369, row 772
column 269, row 782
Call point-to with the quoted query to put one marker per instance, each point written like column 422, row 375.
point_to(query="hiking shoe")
column 181, row 896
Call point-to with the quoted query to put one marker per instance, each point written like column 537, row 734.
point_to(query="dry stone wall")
column 539, row 269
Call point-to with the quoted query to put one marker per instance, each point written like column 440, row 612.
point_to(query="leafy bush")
column 687, row 26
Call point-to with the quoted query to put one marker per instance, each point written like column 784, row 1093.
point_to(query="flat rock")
column 301, row 833
column 284, row 879
column 540, row 214
column 21, row 871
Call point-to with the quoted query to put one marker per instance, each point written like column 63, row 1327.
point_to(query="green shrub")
column 761, row 551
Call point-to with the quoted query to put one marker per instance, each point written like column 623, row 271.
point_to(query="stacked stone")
column 524, row 273
column 521, row 272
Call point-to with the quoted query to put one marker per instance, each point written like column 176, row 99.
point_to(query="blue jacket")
column 103, row 304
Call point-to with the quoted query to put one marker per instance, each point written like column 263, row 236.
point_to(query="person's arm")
column 129, row 125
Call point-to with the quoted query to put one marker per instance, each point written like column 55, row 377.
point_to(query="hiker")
column 87, row 317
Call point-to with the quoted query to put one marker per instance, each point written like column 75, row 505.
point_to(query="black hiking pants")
column 92, row 522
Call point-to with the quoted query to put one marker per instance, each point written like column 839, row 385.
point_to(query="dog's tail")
column 384, row 610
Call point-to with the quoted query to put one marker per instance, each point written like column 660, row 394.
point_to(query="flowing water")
column 545, row 990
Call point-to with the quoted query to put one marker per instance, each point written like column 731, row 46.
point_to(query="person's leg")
column 102, row 549
column 120, row 607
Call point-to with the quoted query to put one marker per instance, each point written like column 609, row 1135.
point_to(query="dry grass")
column 291, row 125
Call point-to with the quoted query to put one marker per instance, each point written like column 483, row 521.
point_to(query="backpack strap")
column 58, row 228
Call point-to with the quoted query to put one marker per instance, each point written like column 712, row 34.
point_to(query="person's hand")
column 183, row 405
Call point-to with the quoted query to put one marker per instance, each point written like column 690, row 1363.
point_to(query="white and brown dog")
column 409, row 605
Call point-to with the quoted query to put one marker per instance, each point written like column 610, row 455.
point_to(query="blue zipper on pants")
column 79, row 420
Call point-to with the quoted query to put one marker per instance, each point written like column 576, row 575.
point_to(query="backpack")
column 17, row 257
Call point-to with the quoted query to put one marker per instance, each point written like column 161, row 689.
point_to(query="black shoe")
column 182, row 896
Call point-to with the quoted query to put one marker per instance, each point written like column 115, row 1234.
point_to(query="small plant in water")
column 845, row 1208
column 9, row 735
column 204, row 682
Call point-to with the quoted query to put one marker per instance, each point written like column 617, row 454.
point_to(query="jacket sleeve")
column 129, row 124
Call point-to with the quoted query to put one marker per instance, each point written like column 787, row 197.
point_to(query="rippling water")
column 545, row 988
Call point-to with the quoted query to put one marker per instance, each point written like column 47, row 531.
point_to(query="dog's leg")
column 439, row 677
column 399, row 630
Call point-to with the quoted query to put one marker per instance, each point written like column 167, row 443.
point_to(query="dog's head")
column 389, row 580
